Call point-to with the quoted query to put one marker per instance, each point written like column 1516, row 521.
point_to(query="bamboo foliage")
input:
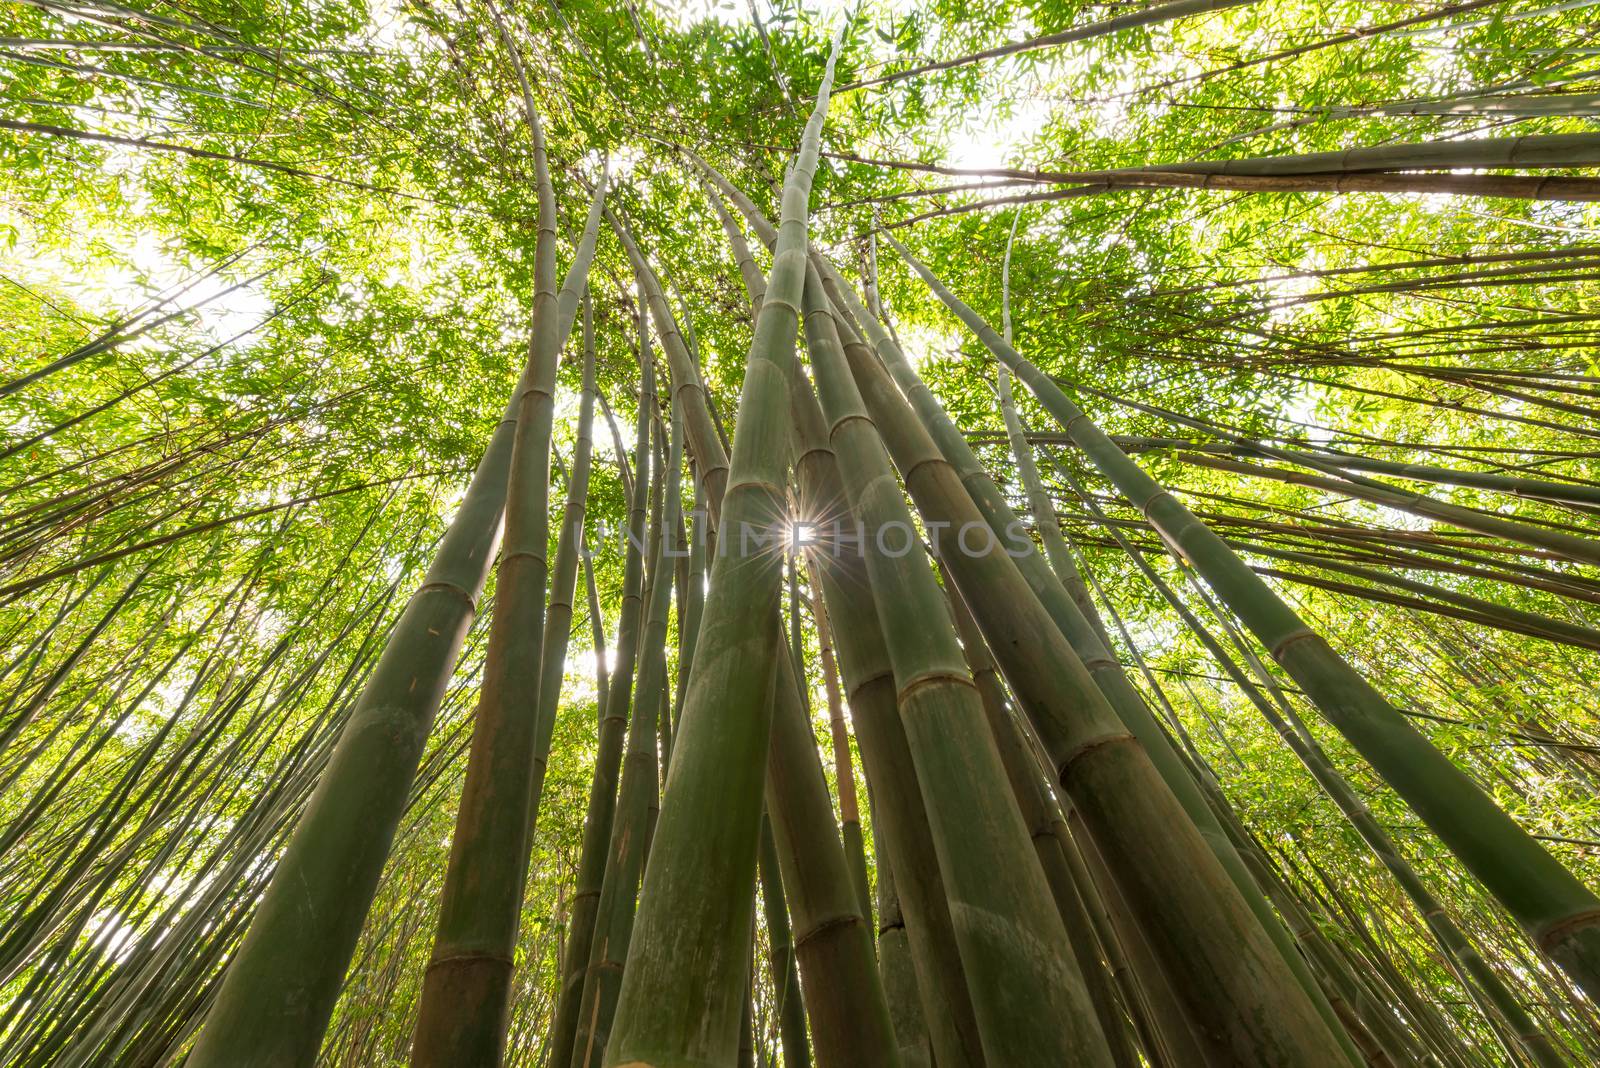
column 269, row 787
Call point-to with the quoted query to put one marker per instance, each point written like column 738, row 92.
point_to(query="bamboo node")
column 1277, row 648
column 1553, row 935
column 931, row 678
column 1083, row 749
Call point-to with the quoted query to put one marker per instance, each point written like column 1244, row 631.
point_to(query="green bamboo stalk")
column 1512, row 485
column 1558, row 912
column 780, row 942
column 849, row 1017
column 1030, row 1003
column 1028, row 787
column 899, row 978
column 1204, row 929
column 564, row 578
column 613, row 927
column 684, row 982
column 832, row 939
column 1075, row 615
column 1466, row 961
column 274, row 1001
column 466, row 992
column 1571, row 546
column 601, row 809
column 843, row 767
column 900, row 822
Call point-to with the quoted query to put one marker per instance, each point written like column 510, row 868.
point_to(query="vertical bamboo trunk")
column 1559, row 913
column 683, row 987
column 899, row 978
column 945, row 1014
column 843, row 766
column 1030, row 1003
column 602, row 802
column 832, row 939
column 901, row 823
column 466, row 993
column 613, row 926
column 785, row 974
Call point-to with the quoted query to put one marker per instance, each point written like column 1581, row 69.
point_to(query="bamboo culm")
column 1559, row 913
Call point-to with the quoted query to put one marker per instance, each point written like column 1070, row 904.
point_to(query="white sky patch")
column 993, row 140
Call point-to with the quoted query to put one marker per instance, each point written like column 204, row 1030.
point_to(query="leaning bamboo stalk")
column 1512, row 485
column 1571, row 546
column 1075, row 615
column 684, row 983
column 846, row 1005
column 1175, row 9
column 1558, row 912
column 1465, row 960
column 1031, row 1006
column 1028, row 787
column 900, row 821
column 274, row 1001
column 1237, row 987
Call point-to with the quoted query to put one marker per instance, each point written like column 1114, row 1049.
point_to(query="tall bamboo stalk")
column 1558, row 912
column 614, row 912
column 273, row 1003
column 601, row 808
column 947, row 1025
column 1022, row 772
column 466, row 991
column 843, row 766
column 1030, row 1002
column 683, row 985
column 780, row 946
column 1204, row 929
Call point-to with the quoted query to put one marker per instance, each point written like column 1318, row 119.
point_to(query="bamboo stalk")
column 1103, row 767
column 1031, row 1006
column 614, row 912
column 601, row 809
column 683, row 985
column 1557, row 911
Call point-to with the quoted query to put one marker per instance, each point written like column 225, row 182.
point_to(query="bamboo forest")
column 756, row 533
